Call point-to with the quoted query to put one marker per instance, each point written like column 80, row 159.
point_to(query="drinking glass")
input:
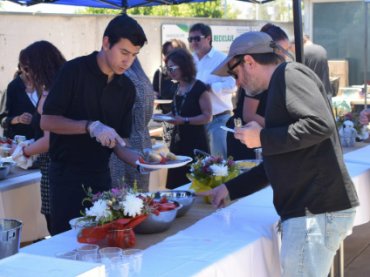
column 91, row 258
column 87, row 249
column 69, row 255
column 117, row 267
column 135, row 259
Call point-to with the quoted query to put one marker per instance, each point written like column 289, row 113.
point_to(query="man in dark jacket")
column 303, row 162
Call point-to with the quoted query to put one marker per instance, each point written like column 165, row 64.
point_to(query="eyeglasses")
column 195, row 38
column 172, row 69
column 230, row 70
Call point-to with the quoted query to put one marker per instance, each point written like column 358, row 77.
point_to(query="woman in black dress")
column 40, row 62
column 191, row 109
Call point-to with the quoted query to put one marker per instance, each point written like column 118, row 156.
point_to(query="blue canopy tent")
column 108, row 4
column 126, row 4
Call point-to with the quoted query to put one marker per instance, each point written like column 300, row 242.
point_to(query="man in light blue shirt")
column 221, row 89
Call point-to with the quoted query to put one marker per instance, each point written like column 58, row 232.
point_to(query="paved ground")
column 357, row 252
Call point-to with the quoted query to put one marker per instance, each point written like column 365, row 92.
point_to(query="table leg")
column 341, row 260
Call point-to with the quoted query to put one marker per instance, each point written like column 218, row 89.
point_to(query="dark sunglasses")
column 172, row 69
column 195, row 38
column 230, row 69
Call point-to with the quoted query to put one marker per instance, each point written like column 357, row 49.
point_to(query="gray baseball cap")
column 247, row 43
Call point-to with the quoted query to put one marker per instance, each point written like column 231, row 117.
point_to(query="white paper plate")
column 246, row 165
column 162, row 117
column 180, row 161
column 162, row 101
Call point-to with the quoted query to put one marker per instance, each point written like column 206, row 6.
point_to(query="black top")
column 302, row 154
column 187, row 137
column 165, row 87
column 235, row 148
column 18, row 103
column 262, row 97
column 315, row 57
column 81, row 92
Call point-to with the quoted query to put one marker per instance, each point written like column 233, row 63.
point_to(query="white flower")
column 100, row 210
column 219, row 170
column 132, row 205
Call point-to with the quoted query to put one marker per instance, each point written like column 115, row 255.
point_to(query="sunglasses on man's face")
column 172, row 69
column 195, row 38
column 231, row 71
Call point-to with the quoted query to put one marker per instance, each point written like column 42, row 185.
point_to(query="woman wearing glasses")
column 164, row 87
column 191, row 110
column 41, row 61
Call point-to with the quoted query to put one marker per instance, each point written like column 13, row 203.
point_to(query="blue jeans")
column 309, row 243
column 217, row 136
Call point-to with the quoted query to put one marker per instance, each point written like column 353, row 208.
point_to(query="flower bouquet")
column 209, row 172
column 113, row 215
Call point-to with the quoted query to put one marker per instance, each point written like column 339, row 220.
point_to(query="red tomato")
column 141, row 160
column 167, row 206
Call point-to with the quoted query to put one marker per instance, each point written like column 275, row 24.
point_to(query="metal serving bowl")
column 4, row 171
column 184, row 197
column 11, row 165
column 77, row 224
column 157, row 223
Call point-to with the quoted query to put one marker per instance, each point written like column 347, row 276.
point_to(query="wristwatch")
column 186, row 122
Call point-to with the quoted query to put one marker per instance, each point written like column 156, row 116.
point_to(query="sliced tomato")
column 167, row 206
column 163, row 199
column 141, row 160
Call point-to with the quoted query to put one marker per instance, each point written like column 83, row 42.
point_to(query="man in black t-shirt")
column 88, row 112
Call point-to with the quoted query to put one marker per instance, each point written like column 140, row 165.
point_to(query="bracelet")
column 186, row 121
column 87, row 125
column 24, row 153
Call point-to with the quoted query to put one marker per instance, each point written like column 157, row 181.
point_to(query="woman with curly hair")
column 40, row 63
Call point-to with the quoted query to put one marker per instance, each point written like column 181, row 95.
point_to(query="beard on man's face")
column 252, row 93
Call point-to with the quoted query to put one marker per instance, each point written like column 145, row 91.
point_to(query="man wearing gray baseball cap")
column 302, row 156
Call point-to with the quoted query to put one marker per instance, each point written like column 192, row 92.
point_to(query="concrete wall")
column 77, row 35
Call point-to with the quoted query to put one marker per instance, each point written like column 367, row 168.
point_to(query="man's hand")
column 217, row 195
column 105, row 135
column 249, row 134
column 364, row 117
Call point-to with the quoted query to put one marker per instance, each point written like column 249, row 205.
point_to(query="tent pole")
column 366, row 52
column 298, row 35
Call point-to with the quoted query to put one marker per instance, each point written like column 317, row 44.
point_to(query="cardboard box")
column 339, row 68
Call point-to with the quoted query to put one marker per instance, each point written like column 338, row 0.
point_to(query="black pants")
column 66, row 192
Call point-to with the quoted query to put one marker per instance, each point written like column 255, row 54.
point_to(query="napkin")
column 20, row 159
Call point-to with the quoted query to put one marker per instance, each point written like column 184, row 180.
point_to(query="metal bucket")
column 10, row 237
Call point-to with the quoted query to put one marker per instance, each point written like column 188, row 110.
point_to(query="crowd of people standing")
column 89, row 117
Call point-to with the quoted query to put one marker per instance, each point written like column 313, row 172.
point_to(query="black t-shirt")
column 81, row 92
column 166, row 88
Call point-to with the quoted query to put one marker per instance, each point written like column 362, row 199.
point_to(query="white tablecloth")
column 361, row 155
column 236, row 241
column 239, row 240
column 360, row 174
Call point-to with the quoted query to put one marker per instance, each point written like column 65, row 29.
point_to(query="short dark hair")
column 123, row 26
column 204, row 29
column 275, row 32
column 182, row 58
